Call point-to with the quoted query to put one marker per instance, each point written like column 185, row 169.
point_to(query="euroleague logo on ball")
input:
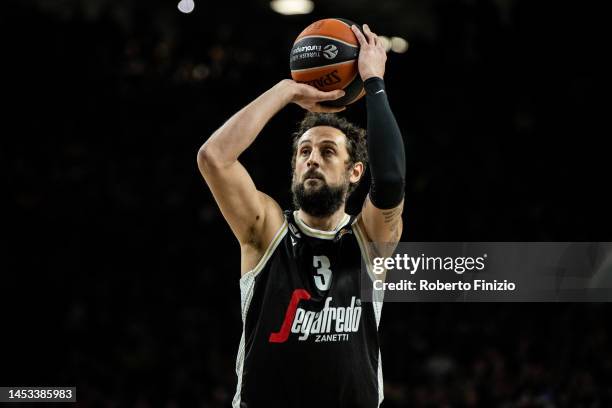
column 330, row 51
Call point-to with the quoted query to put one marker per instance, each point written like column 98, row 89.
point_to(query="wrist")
column 372, row 74
column 373, row 84
column 285, row 90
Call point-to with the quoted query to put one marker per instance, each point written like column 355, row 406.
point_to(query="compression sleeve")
column 385, row 148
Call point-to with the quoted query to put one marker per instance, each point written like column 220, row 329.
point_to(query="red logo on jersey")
column 283, row 334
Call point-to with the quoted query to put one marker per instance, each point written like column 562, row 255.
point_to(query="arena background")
column 120, row 276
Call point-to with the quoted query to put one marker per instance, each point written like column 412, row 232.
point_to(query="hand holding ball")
column 325, row 55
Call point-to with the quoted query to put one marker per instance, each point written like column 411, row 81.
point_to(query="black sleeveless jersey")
column 308, row 340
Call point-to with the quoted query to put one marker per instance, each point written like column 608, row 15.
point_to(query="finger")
column 362, row 40
column 327, row 109
column 329, row 96
column 309, row 92
column 369, row 34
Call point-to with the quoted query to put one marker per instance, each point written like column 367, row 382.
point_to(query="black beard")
column 319, row 202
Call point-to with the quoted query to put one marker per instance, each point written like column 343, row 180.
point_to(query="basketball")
column 325, row 55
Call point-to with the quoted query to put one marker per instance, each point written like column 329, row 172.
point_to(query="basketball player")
column 308, row 340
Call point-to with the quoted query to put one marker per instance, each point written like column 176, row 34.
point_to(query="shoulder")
column 261, row 240
column 274, row 216
column 263, row 229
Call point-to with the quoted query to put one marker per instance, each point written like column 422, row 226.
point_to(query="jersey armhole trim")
column 377, row 296
column 362, row 242
column 269, row 251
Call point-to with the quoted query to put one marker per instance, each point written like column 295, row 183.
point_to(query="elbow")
column 210, row 158
column 390, row 180
column 206, row 158
column 387, row 193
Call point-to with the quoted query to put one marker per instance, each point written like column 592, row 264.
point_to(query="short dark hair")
column 355, row 138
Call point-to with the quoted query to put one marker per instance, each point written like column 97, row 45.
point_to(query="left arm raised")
column 382, row 210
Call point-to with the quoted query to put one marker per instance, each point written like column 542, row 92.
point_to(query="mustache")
column 313, row 174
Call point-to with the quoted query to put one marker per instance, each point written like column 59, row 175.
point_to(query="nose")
column 313, row 159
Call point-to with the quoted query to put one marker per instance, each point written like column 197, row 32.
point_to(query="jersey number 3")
column 323, row 275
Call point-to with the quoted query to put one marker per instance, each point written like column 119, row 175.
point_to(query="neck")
column 322, row 223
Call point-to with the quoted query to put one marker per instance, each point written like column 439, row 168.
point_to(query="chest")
column 325, row 267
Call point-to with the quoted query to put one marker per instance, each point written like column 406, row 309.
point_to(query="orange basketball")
column 325, row 55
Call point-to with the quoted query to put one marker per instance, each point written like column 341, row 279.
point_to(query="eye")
column 328, row 152
column 305, row 152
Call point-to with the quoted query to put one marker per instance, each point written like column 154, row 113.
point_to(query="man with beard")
column 308, row 340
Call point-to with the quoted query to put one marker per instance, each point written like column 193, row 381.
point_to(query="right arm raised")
column 252, row 215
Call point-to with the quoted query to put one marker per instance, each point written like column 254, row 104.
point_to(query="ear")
column 356, row 172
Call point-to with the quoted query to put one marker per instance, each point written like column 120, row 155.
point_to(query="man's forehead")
column 322, row 134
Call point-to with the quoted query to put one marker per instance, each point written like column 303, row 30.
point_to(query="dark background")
column 119, row 275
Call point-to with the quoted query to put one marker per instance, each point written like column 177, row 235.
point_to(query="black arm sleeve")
column 385, row 148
